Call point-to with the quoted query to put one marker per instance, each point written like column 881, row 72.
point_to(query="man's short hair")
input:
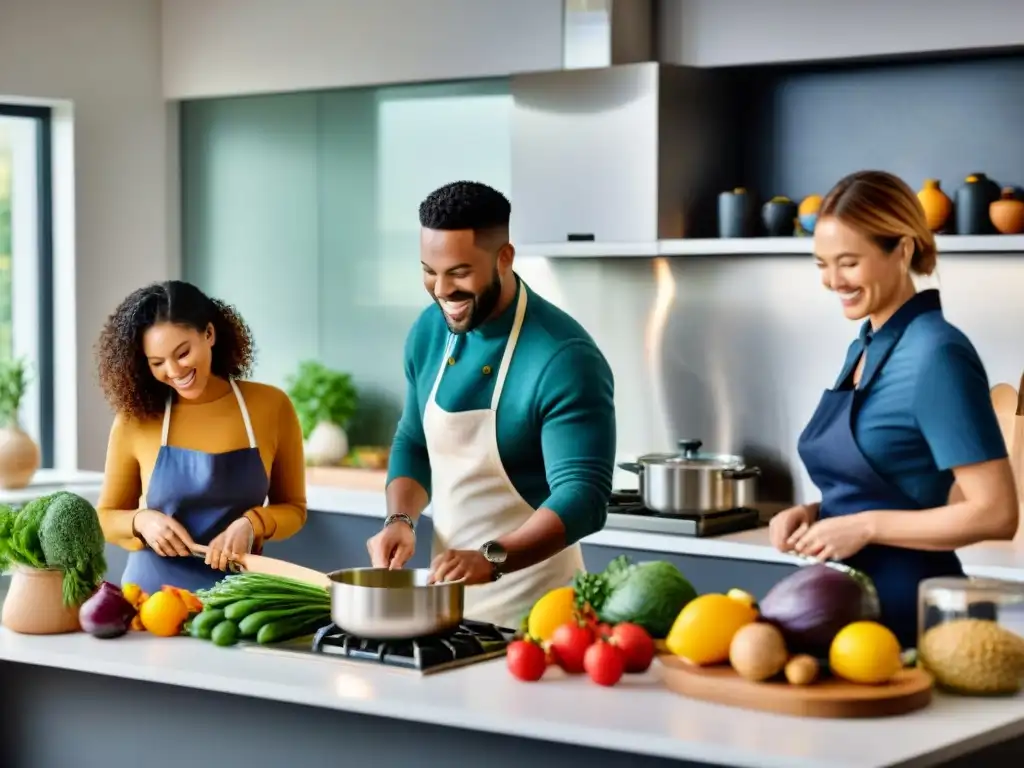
column 465, row 205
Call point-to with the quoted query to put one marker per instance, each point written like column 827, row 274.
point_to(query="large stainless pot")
column 693, row 483
column 381, row 604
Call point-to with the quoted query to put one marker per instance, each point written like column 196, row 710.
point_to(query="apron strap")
column 510, row 347
column 241, row 404
column 448, row 346
column 167, row 422
column 245, row 414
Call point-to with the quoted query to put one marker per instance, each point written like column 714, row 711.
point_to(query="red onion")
column 107, row 613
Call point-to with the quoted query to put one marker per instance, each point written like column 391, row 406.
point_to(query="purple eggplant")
column 810, row 606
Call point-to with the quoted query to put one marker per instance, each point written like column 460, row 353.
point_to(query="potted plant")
column 19, row 455
column 325, row 401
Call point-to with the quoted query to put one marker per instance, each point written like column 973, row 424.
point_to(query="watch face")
column 494, row 552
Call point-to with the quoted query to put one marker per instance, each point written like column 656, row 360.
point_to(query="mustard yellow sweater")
column 213, row 427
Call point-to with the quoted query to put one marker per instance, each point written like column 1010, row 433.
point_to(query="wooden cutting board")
column 274, row 567
column 909, row 691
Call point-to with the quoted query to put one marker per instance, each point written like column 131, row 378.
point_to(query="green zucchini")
column 225, row 633
column 204, row 622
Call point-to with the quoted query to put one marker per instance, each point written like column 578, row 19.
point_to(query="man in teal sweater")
column 508, row 429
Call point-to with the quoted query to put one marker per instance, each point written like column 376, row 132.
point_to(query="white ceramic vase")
column 327, row 445
column 19, row 458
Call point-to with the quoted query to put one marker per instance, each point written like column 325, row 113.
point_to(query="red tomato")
column 605, row 663
column 636, row 645
column 568, row 644
column 526, row 660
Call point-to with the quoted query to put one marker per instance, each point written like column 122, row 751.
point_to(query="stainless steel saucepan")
column 382, row 604
column 693, row 483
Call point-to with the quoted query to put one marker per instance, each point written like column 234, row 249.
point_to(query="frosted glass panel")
column 302, row 209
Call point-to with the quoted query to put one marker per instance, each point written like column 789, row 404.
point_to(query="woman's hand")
column 783, row 525
column 164, row 535
column 235, row 541
column 836, row 538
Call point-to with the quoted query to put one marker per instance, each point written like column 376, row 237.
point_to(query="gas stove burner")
column 471, row 641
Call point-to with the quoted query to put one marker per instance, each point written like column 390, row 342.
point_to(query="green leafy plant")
column 321, row 394
column 14, row 378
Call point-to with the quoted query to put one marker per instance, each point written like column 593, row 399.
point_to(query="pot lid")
column 690, row 455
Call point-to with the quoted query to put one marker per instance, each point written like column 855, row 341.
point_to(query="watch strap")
column 400, row 518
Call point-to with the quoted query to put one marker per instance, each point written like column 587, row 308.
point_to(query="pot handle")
column 743, row 473
column 631, row 466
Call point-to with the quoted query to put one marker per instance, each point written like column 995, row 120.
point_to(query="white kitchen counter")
column 637, row 716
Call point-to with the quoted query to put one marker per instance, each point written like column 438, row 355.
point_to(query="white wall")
column 710, row 33
column 222, row 47
column 116, row 214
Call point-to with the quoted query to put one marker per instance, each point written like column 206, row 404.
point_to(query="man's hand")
column 392, row 547
column 466, row 565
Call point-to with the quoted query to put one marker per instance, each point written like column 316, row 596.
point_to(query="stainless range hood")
column 615, row 152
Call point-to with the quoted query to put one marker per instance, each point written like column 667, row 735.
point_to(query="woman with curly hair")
column 196, row 456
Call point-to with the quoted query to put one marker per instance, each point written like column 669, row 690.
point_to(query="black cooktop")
column 471, row 641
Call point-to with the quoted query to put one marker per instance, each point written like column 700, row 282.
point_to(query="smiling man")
column 509, row 422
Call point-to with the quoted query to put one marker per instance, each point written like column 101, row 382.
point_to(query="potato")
column 758, row 652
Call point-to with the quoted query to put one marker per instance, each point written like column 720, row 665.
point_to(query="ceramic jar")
column 807, row 213
column 35, row 603
column 19, row 458
column 735, row 213
column 1007, row 213
column 972, row 202
column 779, row 216
column 936, row 203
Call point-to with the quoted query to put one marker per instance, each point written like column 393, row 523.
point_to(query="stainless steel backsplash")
column 737, row 350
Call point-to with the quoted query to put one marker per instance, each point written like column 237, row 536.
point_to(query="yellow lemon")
column 865, row 652
column 554, row 609
column 703, row 630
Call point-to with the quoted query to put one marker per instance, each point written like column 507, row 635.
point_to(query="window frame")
column 44, row 358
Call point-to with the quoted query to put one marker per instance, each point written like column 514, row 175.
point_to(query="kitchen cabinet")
column 710, row 33
column 230, row 48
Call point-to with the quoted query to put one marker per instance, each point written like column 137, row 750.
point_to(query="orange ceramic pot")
column 1007, row 214
column 937, row 205
column 35, row 603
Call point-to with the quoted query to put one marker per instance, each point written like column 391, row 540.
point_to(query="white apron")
column 473, row 500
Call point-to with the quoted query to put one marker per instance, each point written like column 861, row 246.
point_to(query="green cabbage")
column 650, row 594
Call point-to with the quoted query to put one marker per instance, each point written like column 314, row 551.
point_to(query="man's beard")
column 483, row 305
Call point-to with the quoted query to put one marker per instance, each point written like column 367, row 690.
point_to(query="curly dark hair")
column 465, row 205
column 124, row 374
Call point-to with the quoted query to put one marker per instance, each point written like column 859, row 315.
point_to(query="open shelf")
column 749, row 246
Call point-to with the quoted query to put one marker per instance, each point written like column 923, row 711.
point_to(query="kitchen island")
column 75, row 700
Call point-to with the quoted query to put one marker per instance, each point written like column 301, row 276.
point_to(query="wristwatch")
column 496, row 556
column 400, row 518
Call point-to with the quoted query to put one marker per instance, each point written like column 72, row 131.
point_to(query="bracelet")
column 400, row 518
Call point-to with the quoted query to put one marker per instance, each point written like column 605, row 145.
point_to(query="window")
column 26, row 239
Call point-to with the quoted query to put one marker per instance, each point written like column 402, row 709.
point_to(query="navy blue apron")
column 848, row 485
column 205, row 492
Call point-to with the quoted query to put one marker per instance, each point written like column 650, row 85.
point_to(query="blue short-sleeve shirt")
column 924, row 407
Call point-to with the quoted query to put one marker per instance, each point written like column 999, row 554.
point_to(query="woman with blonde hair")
column 909, row 415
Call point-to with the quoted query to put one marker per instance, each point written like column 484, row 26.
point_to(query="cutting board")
column 274, row 567
column 910, row 690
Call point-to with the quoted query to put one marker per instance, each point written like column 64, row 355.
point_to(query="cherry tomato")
column 526, row 660
column 568, row 644
column 604, row 662
column 636, row 645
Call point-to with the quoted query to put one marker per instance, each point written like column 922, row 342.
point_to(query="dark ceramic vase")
column 972, row 203
column 735, row 213
column 779, row 217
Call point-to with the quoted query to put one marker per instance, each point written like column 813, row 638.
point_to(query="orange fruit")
column 703, row 630
column 163, row 614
